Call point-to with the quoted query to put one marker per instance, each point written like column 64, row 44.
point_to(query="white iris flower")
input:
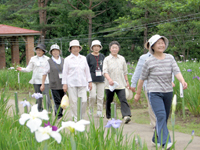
column 34, row 118
column 44, row 133
column 71, row 125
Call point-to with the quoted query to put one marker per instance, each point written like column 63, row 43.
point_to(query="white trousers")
column 74, row 93
column 97, row 94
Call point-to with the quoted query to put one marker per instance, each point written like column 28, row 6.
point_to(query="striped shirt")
column 158, row 73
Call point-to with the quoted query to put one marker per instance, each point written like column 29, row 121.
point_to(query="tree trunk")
column 145, row 33
column 42, row 16
column 90, row 31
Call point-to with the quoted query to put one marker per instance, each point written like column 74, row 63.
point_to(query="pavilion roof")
column 6, row 30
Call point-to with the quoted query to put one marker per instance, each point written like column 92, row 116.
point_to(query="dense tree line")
column 129, row 22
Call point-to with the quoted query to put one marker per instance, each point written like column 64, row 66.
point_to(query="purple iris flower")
column 37, row 95
column 189, row 70
column 54, row 128
column 128, row 63
column 114, row 123
column 196, row 77
column 130, row 73
column 192, row 132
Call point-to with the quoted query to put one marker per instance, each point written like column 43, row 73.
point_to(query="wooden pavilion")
column 12, row 34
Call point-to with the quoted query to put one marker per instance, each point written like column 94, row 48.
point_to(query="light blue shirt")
column 138, row 70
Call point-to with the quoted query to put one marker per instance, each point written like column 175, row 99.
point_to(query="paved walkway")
column 146, row 132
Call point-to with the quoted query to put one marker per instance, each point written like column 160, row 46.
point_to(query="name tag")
column 60, row 75
column 98, row 72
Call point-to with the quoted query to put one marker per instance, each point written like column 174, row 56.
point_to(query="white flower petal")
column 40, row 136
column 34, row 124
column 43, row 115
column 56, row 136
column 79, row 127
column 85, row 122
column 24, row 118
column 34, row 108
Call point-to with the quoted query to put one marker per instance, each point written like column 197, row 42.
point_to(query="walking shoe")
column 169, row 145
column 99, row 114
column 154, row 144
column 127, row 119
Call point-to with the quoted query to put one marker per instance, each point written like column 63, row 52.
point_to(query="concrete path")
column 144, row 131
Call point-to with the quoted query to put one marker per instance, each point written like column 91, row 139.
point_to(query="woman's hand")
column 184, row 85
column 42, row 87
column 19, row 68
column 111, row 82
column 90, row 86
column 137, row 97
column 65, row 88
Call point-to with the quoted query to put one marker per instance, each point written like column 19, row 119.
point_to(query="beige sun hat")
column 129, row 93
column 153, row 40
column 54, row 46
column 74, row 43
column 96, row 42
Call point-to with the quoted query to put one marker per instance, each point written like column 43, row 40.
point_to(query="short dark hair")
column 114, row 42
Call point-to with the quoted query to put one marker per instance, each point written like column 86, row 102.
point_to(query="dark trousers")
column 46, row 92
column 57, row 97
column 125, row 110
column 161, row 104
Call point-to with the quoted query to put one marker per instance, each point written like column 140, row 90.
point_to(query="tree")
column 87, row 13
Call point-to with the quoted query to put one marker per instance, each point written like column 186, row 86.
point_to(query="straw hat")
column 153, row 40
column 96, row 42
column 74, row 43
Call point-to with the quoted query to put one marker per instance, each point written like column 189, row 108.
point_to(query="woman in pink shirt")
column 76, row 78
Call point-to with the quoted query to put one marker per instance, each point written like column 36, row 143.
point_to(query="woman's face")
column 96, row 48
column 159, row 46
column 114, row 49
column 39, row 52
column 75, row 50
column 55, row 53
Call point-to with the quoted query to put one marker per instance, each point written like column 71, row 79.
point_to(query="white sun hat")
column 153, row 40
column 74, row 43
column 96, row 42
column 54, row 46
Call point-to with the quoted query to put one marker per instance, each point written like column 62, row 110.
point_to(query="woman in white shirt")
column 76, row 78
column 37, row 65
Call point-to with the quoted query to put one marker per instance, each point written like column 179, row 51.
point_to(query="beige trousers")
column 97, row 94
column 151, row 113
column 74, row 93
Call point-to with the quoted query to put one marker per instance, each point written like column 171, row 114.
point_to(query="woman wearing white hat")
column 76, row 77
column 53, row 68
column 158, row 70
column 37, row 65
column 95, row 62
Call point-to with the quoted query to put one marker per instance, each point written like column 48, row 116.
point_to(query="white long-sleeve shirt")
column 76, row 71
column 37, row 65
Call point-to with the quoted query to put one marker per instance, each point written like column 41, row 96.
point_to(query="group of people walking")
column 76, row 74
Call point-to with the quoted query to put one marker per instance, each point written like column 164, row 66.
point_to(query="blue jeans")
column 161, row 104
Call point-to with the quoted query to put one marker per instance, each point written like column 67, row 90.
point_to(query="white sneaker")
column 127, row 119
column 99, row 114
column 154, row 144
column 169, row 145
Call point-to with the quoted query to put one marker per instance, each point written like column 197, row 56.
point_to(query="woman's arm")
column 181, row 79
column 139, row 89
